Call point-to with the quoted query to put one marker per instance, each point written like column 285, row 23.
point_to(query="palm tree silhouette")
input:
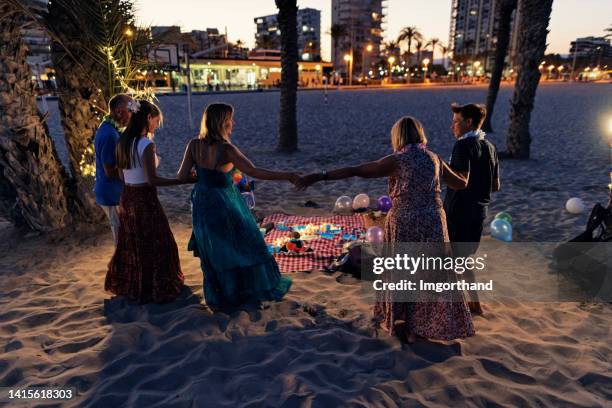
column 531, row 45
column 337, row 32
column 444, row 49
column 419, row 46
column 505, row 8
column 287, row 124
column 432, row 43
column 391, row 47
column 408, row 34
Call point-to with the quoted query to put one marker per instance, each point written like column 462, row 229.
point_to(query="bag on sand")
column 350, row 259
column 586, row 260
column 599, row 226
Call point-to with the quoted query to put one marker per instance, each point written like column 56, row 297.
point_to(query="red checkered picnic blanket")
column 324, row 250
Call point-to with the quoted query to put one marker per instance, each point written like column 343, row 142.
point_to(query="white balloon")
column 343, row 204
column 361, row 201
column 575, row 205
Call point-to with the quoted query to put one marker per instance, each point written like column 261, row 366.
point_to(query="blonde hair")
column 405, row 131
column 213, row 121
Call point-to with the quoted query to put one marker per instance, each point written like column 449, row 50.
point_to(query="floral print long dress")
column 417, row 215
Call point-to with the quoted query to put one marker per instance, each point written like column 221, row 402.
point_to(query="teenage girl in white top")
column 145, row 267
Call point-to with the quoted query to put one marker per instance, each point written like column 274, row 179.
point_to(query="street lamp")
column 368, row 48
column 425, row 64
column 475, row 67
column 349, row 65
column 550, row 68
column 559, row 69
column 129, row 33
column 391, row 60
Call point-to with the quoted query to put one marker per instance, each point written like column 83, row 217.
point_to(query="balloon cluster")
column 245, row 187
column 361, row 203
column 501, row 227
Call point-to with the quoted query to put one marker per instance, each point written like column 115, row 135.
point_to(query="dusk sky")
column 570, row 18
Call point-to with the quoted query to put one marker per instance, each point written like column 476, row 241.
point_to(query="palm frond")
column 33, row 19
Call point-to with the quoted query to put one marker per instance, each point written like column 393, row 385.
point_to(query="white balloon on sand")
column 575, row 205
column 361, row 202
column 343, row 204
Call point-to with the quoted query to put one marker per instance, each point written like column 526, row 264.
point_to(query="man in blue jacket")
column 108, row 185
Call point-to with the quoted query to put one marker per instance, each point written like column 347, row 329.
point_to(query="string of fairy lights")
column 87, row 164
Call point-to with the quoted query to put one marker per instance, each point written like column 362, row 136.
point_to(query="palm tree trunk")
column 505, row 9
column 533, row 29
column 287, row 127
column 32, row 179
column 409, row 70
column 78, row 98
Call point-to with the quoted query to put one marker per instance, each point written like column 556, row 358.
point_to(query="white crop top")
column 136, row 174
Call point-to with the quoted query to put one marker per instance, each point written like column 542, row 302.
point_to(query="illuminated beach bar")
column 234, row 74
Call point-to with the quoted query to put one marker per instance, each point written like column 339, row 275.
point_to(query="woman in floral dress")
column 417, row 215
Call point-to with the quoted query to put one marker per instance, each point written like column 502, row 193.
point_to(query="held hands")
column 294, row 177
column 302, row 182
column 306, row 181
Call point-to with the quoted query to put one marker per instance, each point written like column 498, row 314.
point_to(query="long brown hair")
column 213, row 121
column 126, row 151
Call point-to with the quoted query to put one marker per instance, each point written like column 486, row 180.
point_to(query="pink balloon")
column 375, row 235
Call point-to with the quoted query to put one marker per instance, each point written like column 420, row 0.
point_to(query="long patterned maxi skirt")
column 145, row 267
column 445, row 319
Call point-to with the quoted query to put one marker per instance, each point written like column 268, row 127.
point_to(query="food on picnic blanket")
column 295, row 246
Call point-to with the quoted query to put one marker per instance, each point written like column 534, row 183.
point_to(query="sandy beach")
column 315, row 348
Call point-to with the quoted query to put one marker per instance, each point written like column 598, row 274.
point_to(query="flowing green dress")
column 234, row 257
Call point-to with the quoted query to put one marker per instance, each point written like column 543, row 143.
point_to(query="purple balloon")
column 375, row 235
column 384, row 203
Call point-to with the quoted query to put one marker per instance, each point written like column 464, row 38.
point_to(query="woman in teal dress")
column 234, row 257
